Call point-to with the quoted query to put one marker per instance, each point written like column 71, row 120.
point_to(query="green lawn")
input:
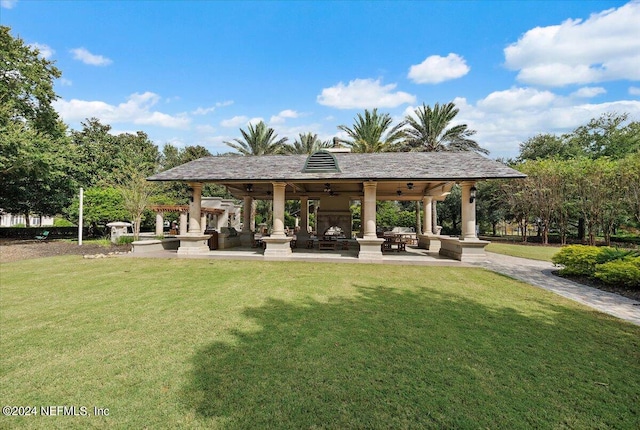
column 534, row 252
column 229, row 344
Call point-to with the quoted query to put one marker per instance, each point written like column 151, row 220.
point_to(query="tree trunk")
column 27, row 221
column 581, row 229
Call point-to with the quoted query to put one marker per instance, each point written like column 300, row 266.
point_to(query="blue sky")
column 194, row 72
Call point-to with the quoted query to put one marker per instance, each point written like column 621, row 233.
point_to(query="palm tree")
column 259, row 140
column 306, row 144
column 373, row 132
column 429, row 131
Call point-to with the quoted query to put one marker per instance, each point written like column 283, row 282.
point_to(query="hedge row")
column 610, row 265
column 32, row 232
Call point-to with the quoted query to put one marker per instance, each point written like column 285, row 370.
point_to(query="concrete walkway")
column 538, row 273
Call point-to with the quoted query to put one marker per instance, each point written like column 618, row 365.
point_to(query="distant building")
column 11, row 220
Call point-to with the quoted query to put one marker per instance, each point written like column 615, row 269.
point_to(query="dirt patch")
column 16, row 250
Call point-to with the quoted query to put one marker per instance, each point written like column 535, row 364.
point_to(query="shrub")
column 577, row 259
column 124, row 240
column 622, row 272
column 61, row 222
column 610, row 254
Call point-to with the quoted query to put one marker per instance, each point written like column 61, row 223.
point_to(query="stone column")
column 361, row 233
column 434, row 218
column 183, row 223
column 302, row 236
column 194, row 242
column 194, row 208
column 370, row 210
column 468, row 212
column 159, row 223
column 428, row 223
column 246, row 237
column 203, row 222
column 278, row 244
column 428, row 240
column 370, row 244
column 304, row 214
column 278, row 209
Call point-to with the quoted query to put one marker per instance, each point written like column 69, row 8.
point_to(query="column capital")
column 370, row 184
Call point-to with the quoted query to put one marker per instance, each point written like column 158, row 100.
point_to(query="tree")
column 27, row 85
column 307, row 143
column 430, row 130
column 630, row 170
column 607, row 136
column 101, row 205
column 136, row 194
column 372, row 132
column 491, row 204
column 36, row 161
column 451, row 210
column 544, row 146
column 106, row 158
column 258, row 140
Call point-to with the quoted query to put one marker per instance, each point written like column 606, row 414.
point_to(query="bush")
column 125, row 240
column 577, row 259
column 61, row 222
column 622, row 272
column 611, row 254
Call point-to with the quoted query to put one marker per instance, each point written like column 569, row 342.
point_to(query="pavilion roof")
column 417, row 166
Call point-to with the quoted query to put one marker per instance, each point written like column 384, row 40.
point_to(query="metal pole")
column 80, row 218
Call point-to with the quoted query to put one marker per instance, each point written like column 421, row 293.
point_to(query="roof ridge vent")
column 321, row 161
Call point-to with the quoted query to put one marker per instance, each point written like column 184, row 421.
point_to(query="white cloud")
column 136, row 110
column 236, row 121
column 604, row 47
column 87, row 57
column 65, row 82
column 282, row 116
column 363, row 93
column 504, row 119
column 210, row 109
column 436, row 69
column 634, row 91
column 8, row 4
column 517, row 99
column 45, row 50
column 588, row 92
column 205, row 129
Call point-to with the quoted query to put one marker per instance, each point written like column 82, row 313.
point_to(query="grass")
column 533, row 252
column 230, row 344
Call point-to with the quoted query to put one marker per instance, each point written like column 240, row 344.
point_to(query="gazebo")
column 335, row 179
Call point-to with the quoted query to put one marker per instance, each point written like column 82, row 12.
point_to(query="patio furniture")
column 396, row 241
column 43, row 236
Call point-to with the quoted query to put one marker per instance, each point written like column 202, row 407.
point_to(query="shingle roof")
column 452, row 166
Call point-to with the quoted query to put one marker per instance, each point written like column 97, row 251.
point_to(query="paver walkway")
column 538, row 273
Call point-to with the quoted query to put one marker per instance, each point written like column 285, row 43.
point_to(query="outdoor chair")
column 43, row 236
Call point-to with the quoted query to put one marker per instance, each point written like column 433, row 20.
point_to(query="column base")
column 246, row 238
column 193, row 244
column 370, row 249
column 463, row 250
column 277, row 247
column 429, row 241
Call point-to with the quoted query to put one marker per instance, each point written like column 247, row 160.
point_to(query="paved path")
column 538, row 273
